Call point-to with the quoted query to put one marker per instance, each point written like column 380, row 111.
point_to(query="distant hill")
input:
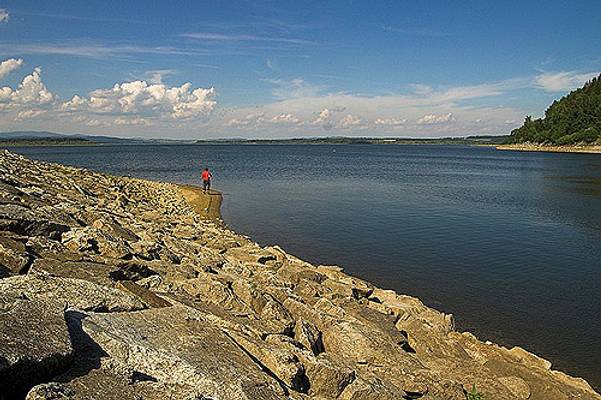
column 574, row 119
column 72, row 137
column 30, row 135
column 45, row 141
column 469, row 140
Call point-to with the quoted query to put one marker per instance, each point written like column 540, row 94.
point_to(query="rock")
column 23, row 221
column 209, row 288
column 373, row 389
column 34, row 343
column 14, row 257
column 276, row 315
column 76, row 293
column 278, row 356
column 326, row 378
column 50, row 391
column 297, row 274
column 91, row 240
column 95, row 272
column 517, row 386
column 309, row 336
column 179, row 349
column 145, row 296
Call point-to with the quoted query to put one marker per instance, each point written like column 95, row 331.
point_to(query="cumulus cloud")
column 249, row 120
column 31, row 91
column 131, row 121
column 431, row 119
column 350, row 121
column 140, row 97
column 285, row 119
column 10, row 65
column 562, row 81
column 29, row 114
column 299, row 108
column 4, row 16
column 324, row 118
column 255, row 120
column 391, row 122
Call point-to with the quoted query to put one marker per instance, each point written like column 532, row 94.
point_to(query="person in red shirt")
column 206, row 176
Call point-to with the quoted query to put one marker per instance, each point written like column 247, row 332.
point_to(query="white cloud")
column 4, row 16
column 299, row 109
column 389, row 122
column 256, row 120
column 285, row 119
column 139, row 97
column 294, row 88
column 108, row 50
column 156, row 76
column 31, row 91
column 350, row 121
column 5, row 94
column 211, row 36
column 430, row 119
column 252, row 120
column 29, row 114
column 324, row 118
column 562, row 81
column 131, row 121
column 94, row 122
column 10, row 65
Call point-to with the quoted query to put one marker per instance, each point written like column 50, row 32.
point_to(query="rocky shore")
column 550, row 149
column 118, row 288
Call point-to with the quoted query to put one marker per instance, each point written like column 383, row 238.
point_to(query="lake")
column 509, row 242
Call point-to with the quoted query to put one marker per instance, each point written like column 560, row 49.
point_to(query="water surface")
column 509, row 242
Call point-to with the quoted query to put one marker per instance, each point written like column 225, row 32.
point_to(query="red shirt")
column 205, row 175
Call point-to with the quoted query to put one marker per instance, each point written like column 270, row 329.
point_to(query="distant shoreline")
column 550, row 149
column 46, row 143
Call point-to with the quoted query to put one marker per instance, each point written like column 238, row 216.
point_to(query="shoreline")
column 207, row 205
column 550, row 149
column 176, row 296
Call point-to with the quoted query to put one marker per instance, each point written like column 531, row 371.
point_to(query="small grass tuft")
column 474, row 395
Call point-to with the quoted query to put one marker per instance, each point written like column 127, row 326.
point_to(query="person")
column 206, row 179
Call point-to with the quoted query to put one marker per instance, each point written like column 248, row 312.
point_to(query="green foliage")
column 474, row 395
column 574, row 119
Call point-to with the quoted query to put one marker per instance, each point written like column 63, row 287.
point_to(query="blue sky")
column 290, row 69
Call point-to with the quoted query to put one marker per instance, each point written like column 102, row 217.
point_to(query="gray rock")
column 178, row 348
column 34, row 343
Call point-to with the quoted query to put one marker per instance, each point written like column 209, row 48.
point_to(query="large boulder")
column 178, row 348
column 34, row 343
column 14, row 257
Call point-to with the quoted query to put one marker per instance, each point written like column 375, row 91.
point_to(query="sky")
column 262, row 69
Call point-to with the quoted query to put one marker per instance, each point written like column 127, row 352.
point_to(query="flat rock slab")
column 75, row 293
column 175, row 346
column 34, row 344
column 145, row 295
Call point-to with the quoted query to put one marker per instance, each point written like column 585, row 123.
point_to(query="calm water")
column 509, row 242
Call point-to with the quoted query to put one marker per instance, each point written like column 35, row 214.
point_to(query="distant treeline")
column 364, row 140
column 574, row 119
column 15, row 142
